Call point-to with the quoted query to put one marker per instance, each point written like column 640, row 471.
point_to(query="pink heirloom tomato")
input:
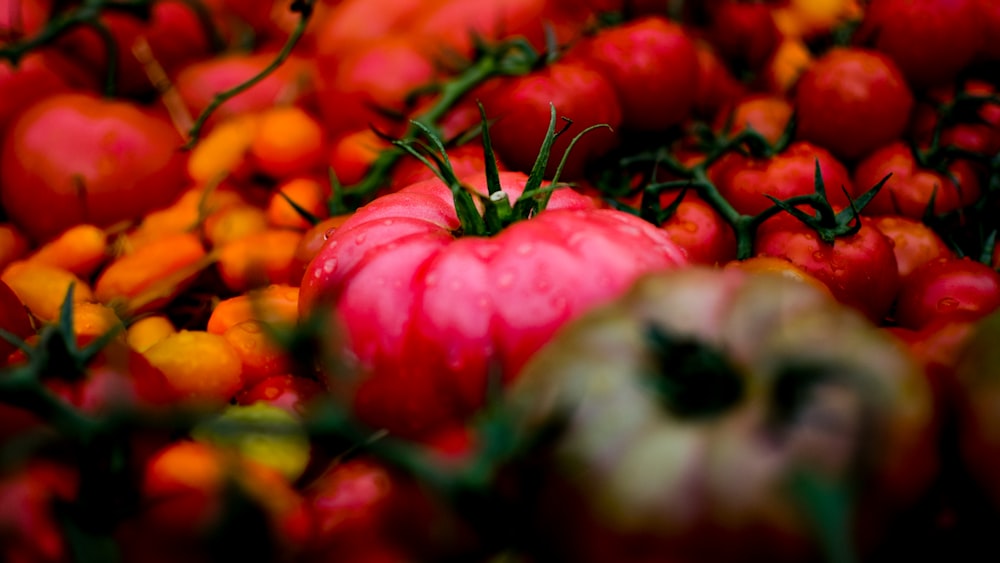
column 430, row 314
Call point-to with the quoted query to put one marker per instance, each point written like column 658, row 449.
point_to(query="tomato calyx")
column 747, row 141
column 513, row 57
column 498, row 213
column 694, row 379
column 828, row 223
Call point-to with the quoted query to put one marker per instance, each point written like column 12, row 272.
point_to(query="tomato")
column 745, row 181
column 852, row 101
column 362, row 505
column 913, row 242
column 930, row 40
column 764, row 113
column 521, row 105
column 978, row 133
column 394, row 272
column 676, row 416
column 14, row 319
column 744, row 33
column 29, row 523
column 909, row 191
column 199, row 82
column 109, row 162
column 651, row 62
column 860, row 269
column 715, row 86
column 700, row 230
column 945, row 287
column 25, row 85
column 977, row 373
column 368, row 85
column 989, row 12
column 186, row 493
column 173, row 32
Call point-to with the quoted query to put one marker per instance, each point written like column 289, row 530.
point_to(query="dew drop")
column 506, row 279
column 329, row 265
column 947, row 304
column 525, row 248
column 360, row 239
column 431, row 280
column 387, row 222
column 329, row 233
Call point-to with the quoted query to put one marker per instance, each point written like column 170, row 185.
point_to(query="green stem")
column 489, row 65
column 305, row 9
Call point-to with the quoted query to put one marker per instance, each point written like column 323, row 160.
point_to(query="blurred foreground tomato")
column 696, row 419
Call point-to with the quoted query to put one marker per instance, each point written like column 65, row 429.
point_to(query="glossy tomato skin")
column 852, row 101
column 764, row 113
column 945, row 287
column 913, row 242
column 431, row 316
column 652, row 63
column 745, row 181
column 75, row 158
column 521, row 107
column 930, row 40
column 909, row 190
column 859, row 269
column 700, row 230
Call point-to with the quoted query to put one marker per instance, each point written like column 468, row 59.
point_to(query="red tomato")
column 852, row 101
column 521, row 107
column 980, row 133
column 989, row 12
column 744, row 33
column 698, row 228
column 908, row 192
column 859, row 269
column 745, row 180
column 25, row 85
column 173, row 32
column 651, row 62
column 367, row 85
column 363, row 508
column 430, row 315
column 716, row 86
column 31, row 528
column 13, row 318
column 930, row 40
column 82, row 159
column 199, row 82
column 946, row 287
column 764, row 113
column 913, row 242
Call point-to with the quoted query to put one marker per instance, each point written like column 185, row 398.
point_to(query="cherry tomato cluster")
column 499, row 280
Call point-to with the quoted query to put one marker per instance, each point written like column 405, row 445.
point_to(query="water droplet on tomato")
column 252, row 328
column 506, row 279
column 946, row 304
column 329, row 233
column 431, row 280
column 525, row 248
column 360, row 239
column 329, row 265
column 387, row 222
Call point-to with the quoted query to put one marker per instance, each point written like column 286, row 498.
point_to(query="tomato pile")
column 499, row 280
